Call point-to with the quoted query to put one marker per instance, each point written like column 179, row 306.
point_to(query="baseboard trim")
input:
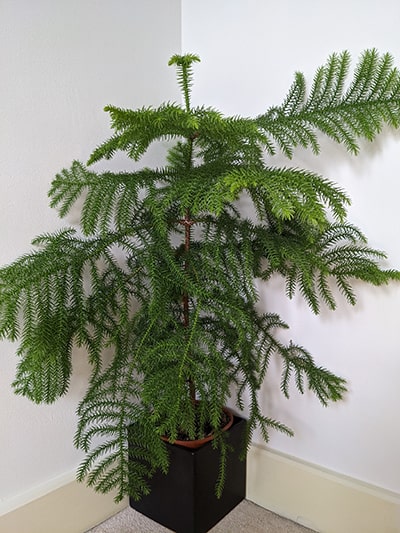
column 319, row 499
column 62, row 505
column 316, row 498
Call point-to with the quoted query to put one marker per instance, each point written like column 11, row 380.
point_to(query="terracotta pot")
column 199, row 442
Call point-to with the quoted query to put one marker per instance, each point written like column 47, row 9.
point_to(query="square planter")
column 184, row 500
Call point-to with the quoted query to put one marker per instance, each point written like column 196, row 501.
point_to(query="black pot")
column 184, row 500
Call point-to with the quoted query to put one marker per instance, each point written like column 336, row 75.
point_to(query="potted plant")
column 158, row 284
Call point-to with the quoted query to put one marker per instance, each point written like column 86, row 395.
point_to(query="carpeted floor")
column 245, row 518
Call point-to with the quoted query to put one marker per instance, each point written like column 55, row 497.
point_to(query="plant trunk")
column 188, row 222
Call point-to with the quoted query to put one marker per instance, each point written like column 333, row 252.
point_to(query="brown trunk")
column 188, row 222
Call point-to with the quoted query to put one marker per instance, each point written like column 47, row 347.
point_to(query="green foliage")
column 158, row 287
column 371, row 100
column 184, row 74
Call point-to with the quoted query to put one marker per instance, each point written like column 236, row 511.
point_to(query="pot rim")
column 199, row 442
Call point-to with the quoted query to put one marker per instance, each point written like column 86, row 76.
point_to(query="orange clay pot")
column 199, row 442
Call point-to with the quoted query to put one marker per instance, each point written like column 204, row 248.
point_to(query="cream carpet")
column 245, row 518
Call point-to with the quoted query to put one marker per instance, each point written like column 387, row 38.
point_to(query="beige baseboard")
column 61, row 506
column 321, row 500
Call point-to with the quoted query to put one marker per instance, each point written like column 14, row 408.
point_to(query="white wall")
column 61, row 62
column 249, row 52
